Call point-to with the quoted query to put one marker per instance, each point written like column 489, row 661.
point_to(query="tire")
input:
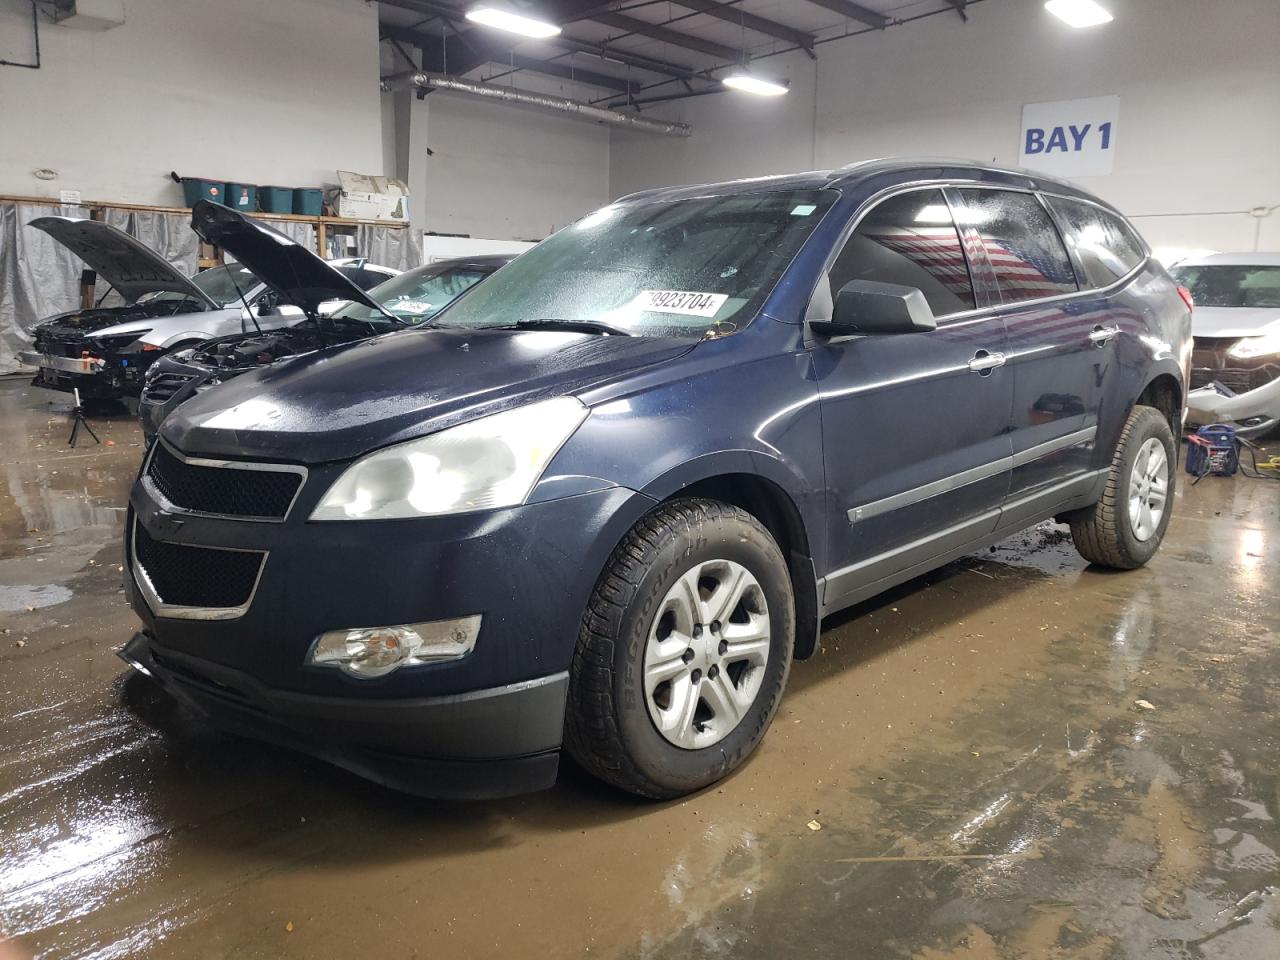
column 1106, row 533
column 638, row 616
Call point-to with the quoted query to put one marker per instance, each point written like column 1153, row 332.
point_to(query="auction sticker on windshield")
column 685, row 302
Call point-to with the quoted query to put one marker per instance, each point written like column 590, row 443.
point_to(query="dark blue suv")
column 601, row 503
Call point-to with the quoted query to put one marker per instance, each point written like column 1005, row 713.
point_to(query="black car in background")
column 301, row 278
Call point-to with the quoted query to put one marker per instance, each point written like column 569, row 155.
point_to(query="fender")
column 194, row 336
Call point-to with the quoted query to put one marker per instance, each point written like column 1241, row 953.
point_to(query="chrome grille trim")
column 178, row 611
column 171, row 507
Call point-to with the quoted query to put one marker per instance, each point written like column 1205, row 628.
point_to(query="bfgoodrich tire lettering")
column 1104, row 533
column 609, row 728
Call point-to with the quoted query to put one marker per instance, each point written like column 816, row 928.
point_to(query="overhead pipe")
column 527, row 98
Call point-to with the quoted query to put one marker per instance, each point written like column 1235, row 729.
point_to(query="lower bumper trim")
column 487, row 743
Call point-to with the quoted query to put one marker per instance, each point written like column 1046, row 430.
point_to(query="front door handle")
column 984, row 362
column 1100, row 336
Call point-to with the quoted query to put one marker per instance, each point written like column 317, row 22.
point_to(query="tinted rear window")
column 1106, row 247
column 1021, row 242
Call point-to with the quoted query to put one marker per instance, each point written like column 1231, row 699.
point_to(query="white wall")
column 497, row 171
column 1199, row 88
column 735, row 135
column 281, row 92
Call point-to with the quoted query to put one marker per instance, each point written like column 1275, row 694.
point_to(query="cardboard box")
column 365, row 197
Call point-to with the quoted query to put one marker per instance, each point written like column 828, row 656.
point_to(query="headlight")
column 487, row 463
column 118, row 342
column 1251, row 347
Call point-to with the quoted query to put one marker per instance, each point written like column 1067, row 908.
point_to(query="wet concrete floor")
column 1015, row 756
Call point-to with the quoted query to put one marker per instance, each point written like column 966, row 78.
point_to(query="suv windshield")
column 417, row 295
column 1231, row 285
column 660, row 268
column 218, row 284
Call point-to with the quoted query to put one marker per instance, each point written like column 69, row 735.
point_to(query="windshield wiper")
column 573, row 326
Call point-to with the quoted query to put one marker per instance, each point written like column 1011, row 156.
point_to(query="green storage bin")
column 197, row 188
column 242, row 197
column 308, row 201
column 275, row 199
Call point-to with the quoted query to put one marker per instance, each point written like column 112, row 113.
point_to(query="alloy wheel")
column 1148, row 489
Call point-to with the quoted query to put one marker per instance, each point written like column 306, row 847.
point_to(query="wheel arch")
column 191, row 337
column 1164, row 392
column 770, row 503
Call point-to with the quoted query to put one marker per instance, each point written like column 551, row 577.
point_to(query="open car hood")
column 289, row 268
column 129, row 265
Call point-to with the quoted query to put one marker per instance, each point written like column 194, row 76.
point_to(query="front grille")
column 186, row 576
column 164, row 385
column 72, row 344
column 259, row 491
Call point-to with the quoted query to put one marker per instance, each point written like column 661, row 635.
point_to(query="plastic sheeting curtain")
column 393, row 247
column 39, row 277
column 303, row 234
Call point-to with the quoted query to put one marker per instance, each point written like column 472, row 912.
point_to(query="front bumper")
column 527, row 571
column 486, row 743
column 1250, row 414
column 47, row 361
column 98, row 378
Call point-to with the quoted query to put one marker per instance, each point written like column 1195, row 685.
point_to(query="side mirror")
column 869, row 307
column 266, row 305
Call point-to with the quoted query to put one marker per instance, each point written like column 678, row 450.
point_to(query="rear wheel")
column 1125, row 528
column 683, row 651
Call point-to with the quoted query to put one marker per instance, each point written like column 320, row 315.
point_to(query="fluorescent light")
column 503, row 18
column 751, row 84
column 1079, row 13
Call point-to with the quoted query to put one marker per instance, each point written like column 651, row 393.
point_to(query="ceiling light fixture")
column 749, row 83
column 502, row 17
column 1079, row 13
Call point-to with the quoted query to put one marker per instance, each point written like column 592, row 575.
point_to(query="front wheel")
column 1124, row 529
column 683, row 651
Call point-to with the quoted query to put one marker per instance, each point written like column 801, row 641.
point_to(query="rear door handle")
column 984, row 362
column 1101, row 336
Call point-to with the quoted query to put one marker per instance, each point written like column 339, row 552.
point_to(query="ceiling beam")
column 657, row 31
column 740, row 18
column 666, row 68
column 564, row 11
column 854, row 11
column 518, row 61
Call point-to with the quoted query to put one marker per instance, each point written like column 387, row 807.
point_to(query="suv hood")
column 340, row 403
column 289, row 268
column 129, row 265
column 1234, row 321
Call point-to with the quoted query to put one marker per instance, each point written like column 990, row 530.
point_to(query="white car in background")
column 104, row 351
column 1235, row 367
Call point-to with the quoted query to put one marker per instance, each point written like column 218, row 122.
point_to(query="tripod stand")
column 78, row 420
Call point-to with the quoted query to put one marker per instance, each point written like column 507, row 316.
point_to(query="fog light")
column 377, row 651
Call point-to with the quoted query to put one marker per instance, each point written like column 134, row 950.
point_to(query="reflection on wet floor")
column 1015, row 756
